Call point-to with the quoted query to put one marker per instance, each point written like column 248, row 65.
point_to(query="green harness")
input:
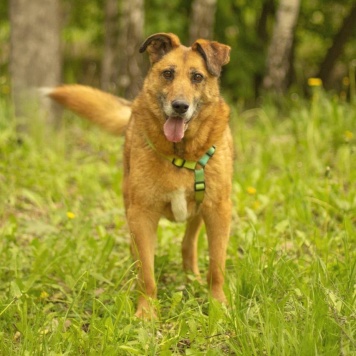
column 199, row 178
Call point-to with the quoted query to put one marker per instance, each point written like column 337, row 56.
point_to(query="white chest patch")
column 179, row 205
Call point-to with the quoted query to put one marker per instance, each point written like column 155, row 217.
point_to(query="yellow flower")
column 5, row 89
column 70, row 215
column 315, row 82
column 44, row 295
column 17, row 336
column 346, row 81
column 251, row 190
column 348, row 135
column 256, row 205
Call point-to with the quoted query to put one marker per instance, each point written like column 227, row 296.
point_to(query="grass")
column 67, row 277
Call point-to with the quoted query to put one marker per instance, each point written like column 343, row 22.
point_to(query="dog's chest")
column 179, row 205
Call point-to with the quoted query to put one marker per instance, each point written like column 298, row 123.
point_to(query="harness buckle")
column 178, row 162
column 199, row 186
column 211, row 151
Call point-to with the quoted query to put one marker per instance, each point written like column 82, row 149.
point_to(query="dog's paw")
column 146, row 310
column 219, row 295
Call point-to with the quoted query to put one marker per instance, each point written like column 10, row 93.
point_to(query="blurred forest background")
column 276, row 45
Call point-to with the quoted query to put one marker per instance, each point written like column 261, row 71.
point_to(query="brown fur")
column 153, row 187
column 104, row 109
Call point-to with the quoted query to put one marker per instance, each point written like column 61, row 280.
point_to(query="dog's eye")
column 197, row 78
column 168, row 74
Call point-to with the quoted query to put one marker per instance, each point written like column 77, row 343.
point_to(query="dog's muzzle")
column 180, row 107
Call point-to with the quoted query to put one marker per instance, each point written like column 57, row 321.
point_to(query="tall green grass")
column 67, row 280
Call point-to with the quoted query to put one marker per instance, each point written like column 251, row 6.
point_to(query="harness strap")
column 199, row 185
column 199, row 178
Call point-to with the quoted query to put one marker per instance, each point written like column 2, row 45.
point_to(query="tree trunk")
column 35, row 56
column 109, row 72
column 202, row 20
column 130, row 38
column 346, row 30
column 267, row 11
column 280, row 50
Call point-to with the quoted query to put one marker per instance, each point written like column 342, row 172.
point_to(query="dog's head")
column 183, row 79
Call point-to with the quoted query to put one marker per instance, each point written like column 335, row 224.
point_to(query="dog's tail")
column 110, row 112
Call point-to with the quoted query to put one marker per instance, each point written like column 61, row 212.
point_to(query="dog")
column 178, row 154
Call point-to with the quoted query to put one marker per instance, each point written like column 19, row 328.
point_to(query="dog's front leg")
column 190, row 246
column 217, row 221
column 143, row 226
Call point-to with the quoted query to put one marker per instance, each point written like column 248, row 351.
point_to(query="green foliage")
column 84, row 24
column 318, row 24
column 164, row 16
column 248, row 52
column 4, row 36
column 236, row 24
column 66, row 276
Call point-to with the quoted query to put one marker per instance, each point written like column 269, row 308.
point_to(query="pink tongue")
column 174, row 129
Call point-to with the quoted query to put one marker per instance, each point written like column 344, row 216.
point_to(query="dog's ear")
column 159, row 44
column 214, row 53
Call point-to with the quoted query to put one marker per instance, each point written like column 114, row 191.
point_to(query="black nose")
column 180, row 106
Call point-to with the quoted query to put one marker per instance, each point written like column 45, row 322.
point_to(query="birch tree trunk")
column 109, row 71
column 202, row 20
column 280, row 51
column 130, row 38
column 35, row 56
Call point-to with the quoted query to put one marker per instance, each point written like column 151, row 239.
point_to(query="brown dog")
column 178, row 153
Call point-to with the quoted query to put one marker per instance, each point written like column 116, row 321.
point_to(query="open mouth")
column 174, row 128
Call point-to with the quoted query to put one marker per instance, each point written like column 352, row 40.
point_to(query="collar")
column 199, row 178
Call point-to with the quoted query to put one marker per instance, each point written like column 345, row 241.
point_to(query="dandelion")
column 346, row 81
column 44, row 295
column 70, row 215
column 5, row 89
column 256, row 205
column 251, row 190
column 315, row 82
column 348, row 136
column 17, row 336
